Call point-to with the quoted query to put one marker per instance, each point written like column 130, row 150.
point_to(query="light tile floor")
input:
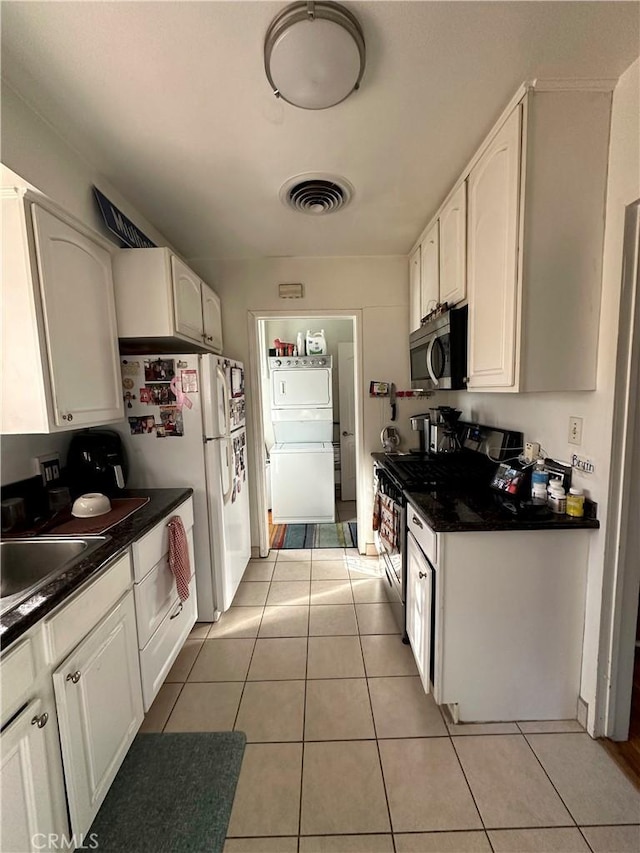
column 345, row 752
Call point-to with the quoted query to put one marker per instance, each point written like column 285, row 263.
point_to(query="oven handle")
column 430, row 369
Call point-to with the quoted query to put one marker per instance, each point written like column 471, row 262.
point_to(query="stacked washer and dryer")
column 302, row 477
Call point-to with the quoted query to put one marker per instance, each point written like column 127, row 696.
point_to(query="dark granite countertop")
column 16, row 620
column 452, row 511
column 469, row 504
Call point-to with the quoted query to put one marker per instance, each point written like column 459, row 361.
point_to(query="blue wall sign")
column 121, row 225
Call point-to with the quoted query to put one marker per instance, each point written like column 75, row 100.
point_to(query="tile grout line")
column 475, row 803
column 569, row 812
column 171, row 710
column 246, row 679
column 375, row 731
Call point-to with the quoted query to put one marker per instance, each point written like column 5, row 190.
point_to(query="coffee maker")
column 443, row 433
column 420, row 424
column 96, row 462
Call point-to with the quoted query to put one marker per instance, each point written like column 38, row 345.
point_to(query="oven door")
column 392, row 558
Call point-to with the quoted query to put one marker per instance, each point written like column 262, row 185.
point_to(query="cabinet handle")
column 40, row 721
column 417, row 522
column 75, row 677
column 70, row 417
column 345, row 433
column 422, row 574
column 209, row 337
column 177, row 613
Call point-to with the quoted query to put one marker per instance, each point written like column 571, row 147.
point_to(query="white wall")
column 34, row 151
column 545, row 417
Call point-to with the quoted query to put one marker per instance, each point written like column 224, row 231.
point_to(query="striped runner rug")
column 342, row 534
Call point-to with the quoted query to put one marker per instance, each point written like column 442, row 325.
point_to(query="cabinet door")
column 212, row 319
column 453, row 247
column 418, row 602
column 76, row 287
column 29, row 782
column 429, row 271
column 492, row 261
column 99, row 702
column 187, row 301
column 414, row 291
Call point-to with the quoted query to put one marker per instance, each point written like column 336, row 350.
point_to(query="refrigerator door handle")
column 229, row 458
column 225, row 389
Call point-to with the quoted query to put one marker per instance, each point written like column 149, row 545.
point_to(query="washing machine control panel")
column 303, row 362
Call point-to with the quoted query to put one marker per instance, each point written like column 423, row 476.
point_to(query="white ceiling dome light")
column 314, row 54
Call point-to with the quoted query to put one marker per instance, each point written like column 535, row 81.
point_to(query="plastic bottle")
column 575, row 503
column 539, row 478
column 557, row 497
column 300, row 344
column 539, row 493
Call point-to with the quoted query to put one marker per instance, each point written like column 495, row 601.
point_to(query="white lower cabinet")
column 418, row 599
column 31, row 781
column 495, row 619
column 99, row 709
column 163, row 621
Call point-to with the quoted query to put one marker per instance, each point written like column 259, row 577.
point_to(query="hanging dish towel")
column 389, row 523
column 179, row 556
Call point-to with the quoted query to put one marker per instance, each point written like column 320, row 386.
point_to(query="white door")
column 215, row 397
column 303, row 387
column 187, row 301
column 418, row 602
column 28, row 781
column 492, row 274
column 346, row 383
column 228, row 499
column 453, row 247
column 415, row 314
column 429, row 270
column 76, row 286
column 302, row 487
column 211, row 319
column 99, row 702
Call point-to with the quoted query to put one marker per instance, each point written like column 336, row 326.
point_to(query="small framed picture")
column 159, row 369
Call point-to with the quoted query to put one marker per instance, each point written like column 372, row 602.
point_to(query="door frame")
column 255, row 352
column 620, row 595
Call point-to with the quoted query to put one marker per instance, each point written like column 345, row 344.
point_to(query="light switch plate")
column 575, row 430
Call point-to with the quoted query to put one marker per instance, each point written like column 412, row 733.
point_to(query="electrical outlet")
column 531, row 451
column 575, row 430
column 48, row 466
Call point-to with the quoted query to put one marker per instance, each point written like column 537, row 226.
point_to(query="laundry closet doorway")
column 300, row 448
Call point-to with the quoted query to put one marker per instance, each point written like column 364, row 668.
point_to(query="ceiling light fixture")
column 314, row 54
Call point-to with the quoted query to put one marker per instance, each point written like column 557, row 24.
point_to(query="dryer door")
column 296, row 388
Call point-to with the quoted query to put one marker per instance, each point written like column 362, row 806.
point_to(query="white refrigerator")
column 185, row 426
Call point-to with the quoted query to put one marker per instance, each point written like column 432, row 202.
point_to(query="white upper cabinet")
column 60, row 345
column 414, row 291
column 453, row 247
column 187, row 301
column 532, row 227
column 430, row 270
column 162, row 305
column 493, row 249
column 211, row 318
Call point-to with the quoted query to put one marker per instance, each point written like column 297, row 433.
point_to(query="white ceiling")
column 169, row 100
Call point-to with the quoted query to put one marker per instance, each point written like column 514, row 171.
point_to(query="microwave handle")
column 432, row 375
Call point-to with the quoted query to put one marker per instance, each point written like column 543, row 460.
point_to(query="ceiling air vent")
column 316, row 194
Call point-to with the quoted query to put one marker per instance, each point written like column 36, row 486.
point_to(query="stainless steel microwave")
column 438, row 351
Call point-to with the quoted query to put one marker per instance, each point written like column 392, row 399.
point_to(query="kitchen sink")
column 28, row 564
